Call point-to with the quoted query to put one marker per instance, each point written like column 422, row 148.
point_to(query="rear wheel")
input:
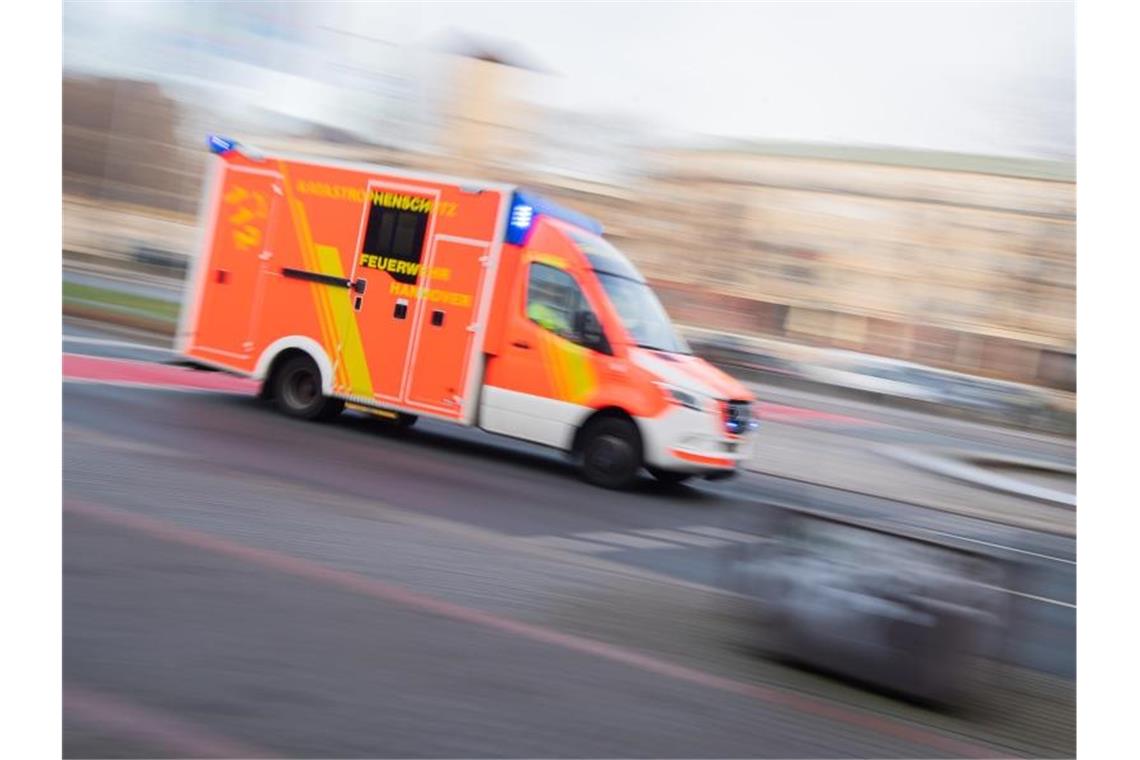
column 671, row 477
column 611, row 453
column 296, row 388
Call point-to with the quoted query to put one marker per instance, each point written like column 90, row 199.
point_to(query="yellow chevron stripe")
column 308, row 257
column 323, row 296
column 579, row 372
column 552, row 358
column 355, row 363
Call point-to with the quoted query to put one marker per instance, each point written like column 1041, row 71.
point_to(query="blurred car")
column 1009, row 401
column 729, row 350
column 861, row 373
column 993, row 398
column 902, row 613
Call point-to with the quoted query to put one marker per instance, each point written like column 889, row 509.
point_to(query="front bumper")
column 685, row 440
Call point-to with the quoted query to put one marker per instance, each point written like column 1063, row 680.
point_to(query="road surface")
column 239, row 583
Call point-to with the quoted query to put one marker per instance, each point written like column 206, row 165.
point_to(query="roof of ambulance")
column 222, row 145
column 538, row 204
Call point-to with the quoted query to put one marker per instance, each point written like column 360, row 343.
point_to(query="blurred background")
column 867, row 210
column 920, row 207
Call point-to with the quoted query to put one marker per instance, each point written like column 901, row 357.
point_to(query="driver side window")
column 553, row 301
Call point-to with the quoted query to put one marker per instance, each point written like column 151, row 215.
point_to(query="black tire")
column 669, row 477
column 332, row 410
column 296, row 389
column 610, row 453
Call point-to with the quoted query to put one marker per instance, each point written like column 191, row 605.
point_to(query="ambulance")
column 411, row 295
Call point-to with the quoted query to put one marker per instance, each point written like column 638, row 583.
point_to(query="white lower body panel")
column 682, row 439
column 531, row 418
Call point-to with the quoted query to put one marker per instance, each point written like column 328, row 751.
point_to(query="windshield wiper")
column 664, row 350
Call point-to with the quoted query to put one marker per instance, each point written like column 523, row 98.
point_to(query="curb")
column 954, row 464
column 120, row 318
column 1037, row 524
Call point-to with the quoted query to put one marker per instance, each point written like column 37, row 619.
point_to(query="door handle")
column 323, row 279
column 520, row 344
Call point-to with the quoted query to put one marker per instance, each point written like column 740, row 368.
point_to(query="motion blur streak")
column 359, row 584
column 152, row 727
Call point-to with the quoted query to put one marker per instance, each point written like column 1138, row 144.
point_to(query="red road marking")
column 149, row 725
column 363, row 585
column 100, row 369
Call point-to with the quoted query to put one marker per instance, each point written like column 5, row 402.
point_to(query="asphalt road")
column 240, row 583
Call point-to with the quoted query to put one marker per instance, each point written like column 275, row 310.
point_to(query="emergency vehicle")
column 410, row 294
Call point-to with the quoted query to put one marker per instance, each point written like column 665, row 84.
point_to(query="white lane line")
column 115, row 343
column 998, row 546
column 728, row 535
column 625, row 539
column 569, row 544
column 681, row 538
column 1024, row 595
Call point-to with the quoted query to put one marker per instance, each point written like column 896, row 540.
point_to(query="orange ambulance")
column 411, row 294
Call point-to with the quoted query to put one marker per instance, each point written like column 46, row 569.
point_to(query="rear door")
column 246, row 216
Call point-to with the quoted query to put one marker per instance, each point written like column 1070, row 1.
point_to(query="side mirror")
column 590, row 332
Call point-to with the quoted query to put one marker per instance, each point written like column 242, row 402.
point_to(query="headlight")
column 684, row 398
column 739, row 416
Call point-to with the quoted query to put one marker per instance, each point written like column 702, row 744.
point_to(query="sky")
column 986, row 77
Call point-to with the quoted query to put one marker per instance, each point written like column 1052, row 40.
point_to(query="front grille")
column 737, row 416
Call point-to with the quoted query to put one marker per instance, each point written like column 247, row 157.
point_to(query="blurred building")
column 961, row 262
column 486, row 106
column 589, row 149
column 966, row 263
column 117, row 138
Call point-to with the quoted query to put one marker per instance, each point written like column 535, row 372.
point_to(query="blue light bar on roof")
column 220, row 145
column 527, row 207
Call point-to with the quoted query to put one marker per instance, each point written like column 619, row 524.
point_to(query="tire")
column 610, row 453
column 669, row 477
column 297, row 391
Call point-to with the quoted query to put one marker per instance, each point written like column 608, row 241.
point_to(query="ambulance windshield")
column 642, row 314
column 635, row 302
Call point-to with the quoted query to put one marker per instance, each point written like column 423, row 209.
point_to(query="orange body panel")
column 403, row 262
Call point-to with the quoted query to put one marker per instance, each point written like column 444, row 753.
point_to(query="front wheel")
column 297, row 391
column 611, row 453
